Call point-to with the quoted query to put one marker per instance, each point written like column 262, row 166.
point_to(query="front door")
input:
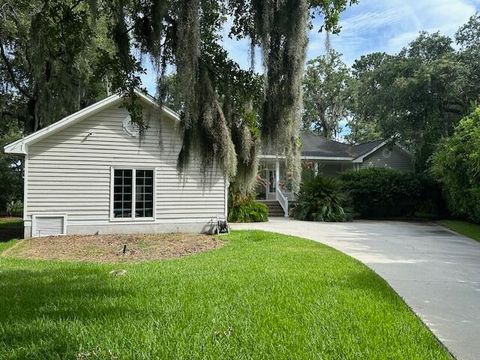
column 267, row 185
column 271, row 186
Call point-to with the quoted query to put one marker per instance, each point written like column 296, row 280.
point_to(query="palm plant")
column 320, row 199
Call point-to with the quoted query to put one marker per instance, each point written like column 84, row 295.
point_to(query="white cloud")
column 370, row 20
column 390, row 25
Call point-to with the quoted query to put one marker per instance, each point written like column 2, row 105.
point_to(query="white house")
column 90, row 173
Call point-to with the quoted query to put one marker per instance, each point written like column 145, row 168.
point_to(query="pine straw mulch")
column 109, row 248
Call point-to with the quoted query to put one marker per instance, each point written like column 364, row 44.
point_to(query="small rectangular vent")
column 48, row 225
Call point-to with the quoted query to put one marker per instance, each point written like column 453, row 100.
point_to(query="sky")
column 371, row 25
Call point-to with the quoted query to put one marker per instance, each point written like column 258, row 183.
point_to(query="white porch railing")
column 282, row 200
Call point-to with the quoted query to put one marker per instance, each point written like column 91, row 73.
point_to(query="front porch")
column 273, row 189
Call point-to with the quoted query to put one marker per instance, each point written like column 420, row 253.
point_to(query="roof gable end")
column 20, row 146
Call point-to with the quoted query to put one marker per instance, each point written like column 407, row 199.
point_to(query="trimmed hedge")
column 387, row 193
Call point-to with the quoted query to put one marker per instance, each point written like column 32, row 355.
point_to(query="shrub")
column 246, row 209
column 320, row 199
column 431, row 202
column 456, row 164
column 11, row 179
column 11, row 182
column 379, row 192
column 14, row 208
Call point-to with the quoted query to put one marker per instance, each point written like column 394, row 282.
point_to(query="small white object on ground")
column 118, row 272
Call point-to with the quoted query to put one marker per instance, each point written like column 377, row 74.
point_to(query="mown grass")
column 463, row 227
column 261, row 296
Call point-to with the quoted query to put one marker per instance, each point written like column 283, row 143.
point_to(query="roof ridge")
column 369, row 142
column 323, row 138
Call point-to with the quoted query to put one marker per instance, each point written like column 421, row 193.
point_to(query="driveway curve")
column 436, row 271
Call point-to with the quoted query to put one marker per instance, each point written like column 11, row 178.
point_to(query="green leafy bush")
column 456, row 164
column 11, row 174
column 246, row 209
column 320, row 199
column 15, row 208
column 431, row 202
column 379, row 192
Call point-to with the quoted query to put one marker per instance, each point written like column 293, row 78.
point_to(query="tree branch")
column 11, row 73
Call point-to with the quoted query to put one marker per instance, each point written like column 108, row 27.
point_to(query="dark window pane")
column 122, row 193
column 144, row 193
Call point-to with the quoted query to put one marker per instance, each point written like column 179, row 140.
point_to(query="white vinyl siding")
column 70, row 171
column 389, row 157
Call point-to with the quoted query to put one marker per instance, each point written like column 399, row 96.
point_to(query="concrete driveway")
column 436, row 271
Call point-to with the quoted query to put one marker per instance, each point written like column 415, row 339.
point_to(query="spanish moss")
column 283, row 38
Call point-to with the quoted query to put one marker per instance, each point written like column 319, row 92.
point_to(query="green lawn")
column 463, row 227
column 261, row 296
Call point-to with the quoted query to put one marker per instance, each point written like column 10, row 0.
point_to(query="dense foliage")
column 326, row 94
column 420, row 94
column 60, row 55
column 383, row 193
column 245, row 209
column 320, row 199
column 54, row 60
column 456, row 164
column 11, row 180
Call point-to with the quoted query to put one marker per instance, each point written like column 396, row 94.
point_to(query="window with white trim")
column 133, row 192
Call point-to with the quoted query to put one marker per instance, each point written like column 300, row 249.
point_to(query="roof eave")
column 17, row 147
column 360, row 158
column 308, row 157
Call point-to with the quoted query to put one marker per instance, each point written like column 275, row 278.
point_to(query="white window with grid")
column 132, row 194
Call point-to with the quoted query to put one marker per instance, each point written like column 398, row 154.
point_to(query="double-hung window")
column 133, row 194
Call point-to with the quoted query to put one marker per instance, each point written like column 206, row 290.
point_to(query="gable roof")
column 20, row 146
column 317, row 147
column 365, row 148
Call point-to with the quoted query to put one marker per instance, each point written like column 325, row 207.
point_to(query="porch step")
column 274, row 208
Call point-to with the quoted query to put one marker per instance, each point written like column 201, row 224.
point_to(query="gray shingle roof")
column 361, row 149
column 317, row 146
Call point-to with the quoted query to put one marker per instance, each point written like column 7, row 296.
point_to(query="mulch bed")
column 109, row 248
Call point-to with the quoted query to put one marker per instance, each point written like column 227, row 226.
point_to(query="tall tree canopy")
column 363, row 123
column 50, row 53
column 468, row 38
column 327, row 92
column 63, row 54
column 419, row 95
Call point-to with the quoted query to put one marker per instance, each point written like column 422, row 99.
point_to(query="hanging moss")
column 246, row 138
column 283, row 37
column 207, row 134
column 187, row 53
column 220, row 120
